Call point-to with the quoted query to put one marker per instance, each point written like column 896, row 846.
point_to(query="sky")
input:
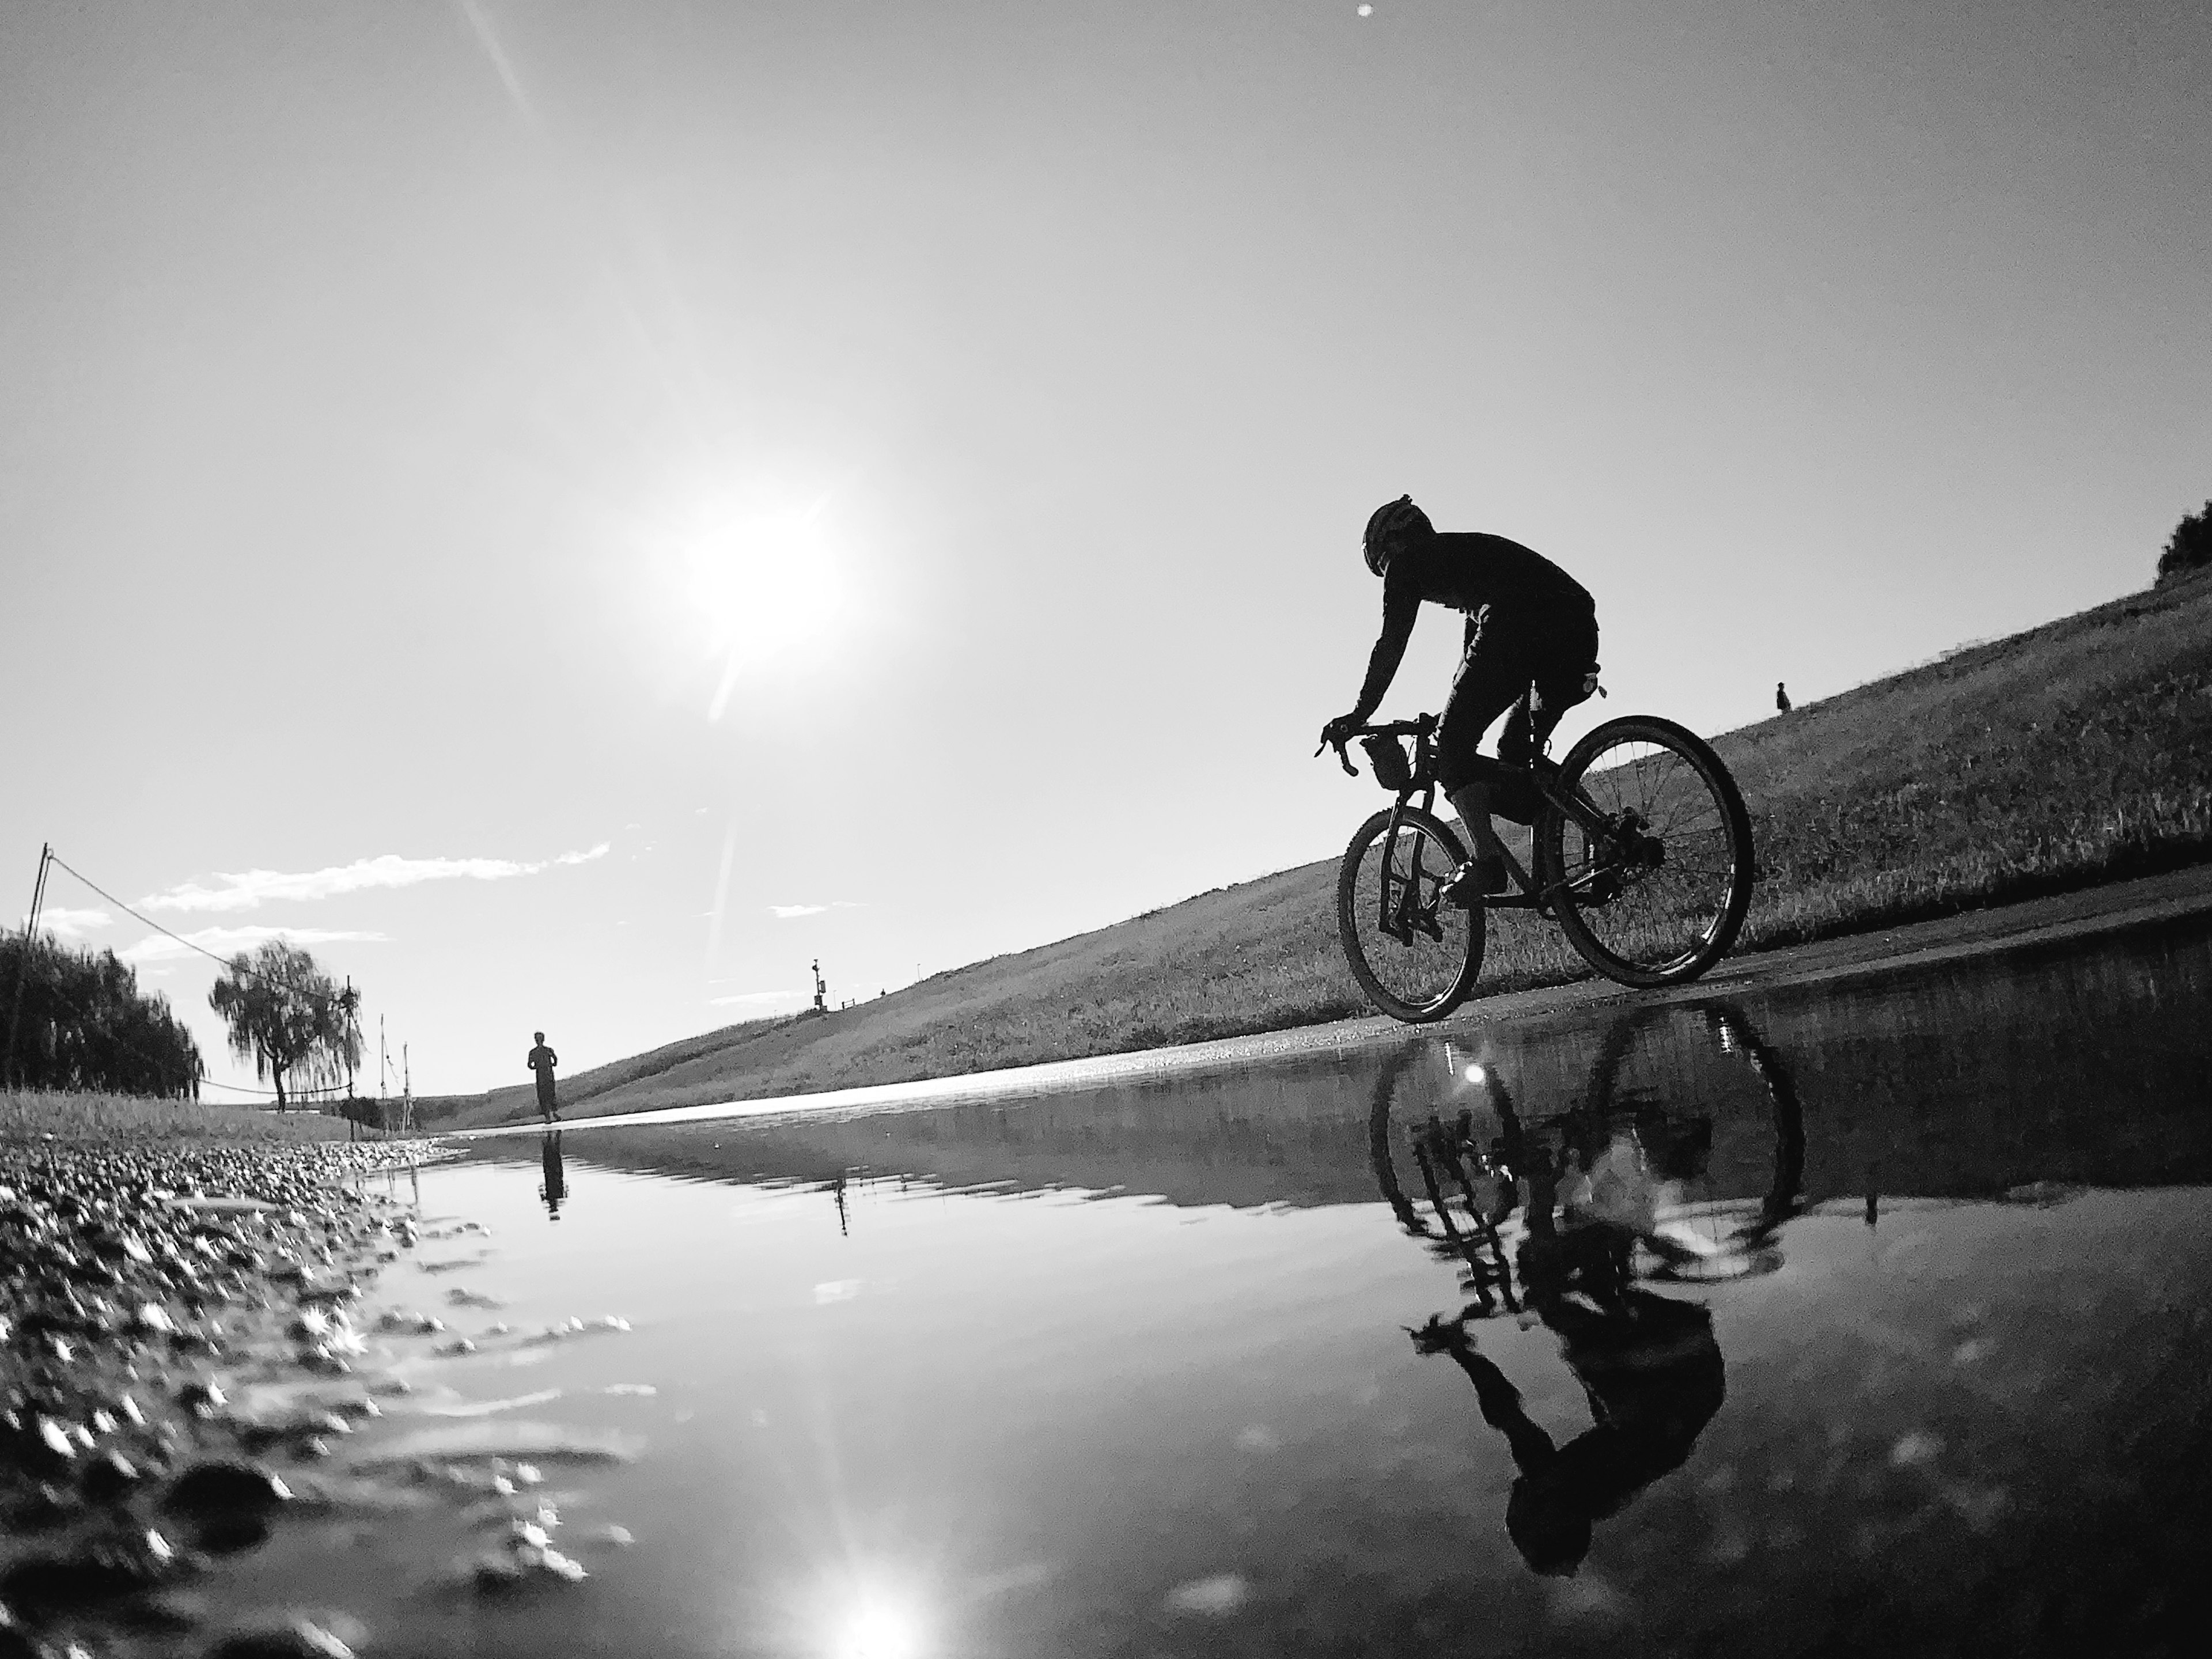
column 574, row 513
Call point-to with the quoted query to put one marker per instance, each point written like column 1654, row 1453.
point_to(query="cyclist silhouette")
column 1526, row 620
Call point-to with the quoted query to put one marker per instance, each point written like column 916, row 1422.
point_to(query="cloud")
column 786, row 912
column 226, row 941
column 246, row 891
column 65, row 923
column 758, row 996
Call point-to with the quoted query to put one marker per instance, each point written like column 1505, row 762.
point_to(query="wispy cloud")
column 224, row 941
column 786, row 912
column 246, row 891
column 65, row 923
column 758, row 996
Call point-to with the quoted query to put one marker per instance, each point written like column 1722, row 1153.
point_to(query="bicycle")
column 1643, row 855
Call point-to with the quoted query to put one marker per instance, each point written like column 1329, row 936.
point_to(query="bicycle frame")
column 1571, row 805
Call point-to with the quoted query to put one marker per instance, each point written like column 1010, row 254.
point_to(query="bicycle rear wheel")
column 1415, row 956
column 1657, row 897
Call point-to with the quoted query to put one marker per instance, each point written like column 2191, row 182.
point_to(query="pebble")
column 225, row 1506
column 296, row 1636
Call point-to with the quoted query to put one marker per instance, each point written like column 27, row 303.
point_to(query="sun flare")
column 757, row 579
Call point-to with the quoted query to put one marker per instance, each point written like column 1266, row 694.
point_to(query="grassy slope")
column 2070, row 754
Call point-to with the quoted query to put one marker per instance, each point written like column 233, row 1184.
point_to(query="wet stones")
column 117, row 1259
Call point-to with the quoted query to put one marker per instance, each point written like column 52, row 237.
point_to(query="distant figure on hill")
column 1781, row 698
column 1526, row 620
column 555, row 1189
column 543, row 1059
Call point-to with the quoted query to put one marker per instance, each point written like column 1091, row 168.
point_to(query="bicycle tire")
column 1666, row 923
column 1419, row 978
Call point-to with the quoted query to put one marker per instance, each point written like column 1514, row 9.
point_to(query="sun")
column 756, row 577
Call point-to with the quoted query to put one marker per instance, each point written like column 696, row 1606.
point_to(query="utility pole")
column 23, row 967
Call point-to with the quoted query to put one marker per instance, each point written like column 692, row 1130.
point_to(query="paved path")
column 2092, row 913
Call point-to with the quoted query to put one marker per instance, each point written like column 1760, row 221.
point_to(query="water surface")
column 1867, row 1317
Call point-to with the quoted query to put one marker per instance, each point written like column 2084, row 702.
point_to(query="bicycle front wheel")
column 1415, row 956
column 1653, row 889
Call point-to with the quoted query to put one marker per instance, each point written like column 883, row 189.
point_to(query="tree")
column 288, row 1017
column 77, row 1020
column 2189, row 547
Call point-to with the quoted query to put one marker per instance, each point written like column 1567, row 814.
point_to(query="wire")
column 205, row 1082
column 221, row 960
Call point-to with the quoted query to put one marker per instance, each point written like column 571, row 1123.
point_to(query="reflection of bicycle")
column 1642, row 855
column 1676, row 1091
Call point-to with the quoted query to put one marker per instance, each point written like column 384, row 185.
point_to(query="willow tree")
column 288, row 1018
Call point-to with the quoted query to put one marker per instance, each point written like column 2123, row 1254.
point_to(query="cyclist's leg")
column 1491, row 676
column 1564, row 651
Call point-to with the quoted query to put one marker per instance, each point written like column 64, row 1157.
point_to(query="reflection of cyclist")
column 1526, row 620
column 1649, row 1366
column 1589, row 1228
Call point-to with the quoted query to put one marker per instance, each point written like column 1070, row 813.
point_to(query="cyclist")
column 1526, row 620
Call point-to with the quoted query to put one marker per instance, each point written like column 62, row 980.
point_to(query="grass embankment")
column 2072, row 754
column 33, row 1114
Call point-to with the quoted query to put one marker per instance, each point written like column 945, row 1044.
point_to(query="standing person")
column 1781, row 698
column 543, row 1059
column 1526, row 620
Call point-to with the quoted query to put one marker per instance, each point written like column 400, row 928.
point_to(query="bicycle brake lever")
column 1345, row 761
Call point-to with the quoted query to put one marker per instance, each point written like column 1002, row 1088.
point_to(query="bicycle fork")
column 1401, row 910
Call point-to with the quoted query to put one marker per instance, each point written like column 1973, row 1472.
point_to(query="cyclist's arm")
column 1400, row 604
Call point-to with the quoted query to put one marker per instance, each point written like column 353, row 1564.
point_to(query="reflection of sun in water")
column 878, row 1629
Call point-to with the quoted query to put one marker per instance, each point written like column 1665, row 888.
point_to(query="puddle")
column 1870, row 1318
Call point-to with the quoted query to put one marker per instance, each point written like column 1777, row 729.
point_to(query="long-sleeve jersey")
column 1465, row 570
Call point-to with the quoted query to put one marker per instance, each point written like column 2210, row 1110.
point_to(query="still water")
column 1869, row 1317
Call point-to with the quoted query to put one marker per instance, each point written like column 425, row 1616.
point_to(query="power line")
column 189, row 945
column 49, row 856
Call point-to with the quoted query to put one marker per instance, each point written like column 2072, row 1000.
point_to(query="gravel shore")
column 144, row 1283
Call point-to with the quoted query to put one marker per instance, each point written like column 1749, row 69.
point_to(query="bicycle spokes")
column 1655, row 864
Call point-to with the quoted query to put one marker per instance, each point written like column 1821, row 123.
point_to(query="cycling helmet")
column 1389, row 526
